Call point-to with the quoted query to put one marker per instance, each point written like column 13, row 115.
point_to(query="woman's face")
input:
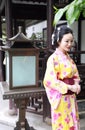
column 66, row 43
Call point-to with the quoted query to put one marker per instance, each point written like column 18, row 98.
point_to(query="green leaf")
column 72, row 14
column 69, row 14
column 83, row 7
column 73, row 11
column 55, row 8
column 83, row 13
column 59, row 14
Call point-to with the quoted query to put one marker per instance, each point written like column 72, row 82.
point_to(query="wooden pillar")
column 50, row 4
column 47, row 111
column 8, row 15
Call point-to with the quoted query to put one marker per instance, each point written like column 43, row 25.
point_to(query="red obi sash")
column 69, row 81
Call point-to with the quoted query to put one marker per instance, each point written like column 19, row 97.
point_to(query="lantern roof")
column 19, row 37
column 20, row 40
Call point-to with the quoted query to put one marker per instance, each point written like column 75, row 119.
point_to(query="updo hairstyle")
column 59, row 32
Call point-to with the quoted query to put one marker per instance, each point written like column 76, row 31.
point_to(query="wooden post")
column 46, row 111
column 8, row 15
column 50, row 4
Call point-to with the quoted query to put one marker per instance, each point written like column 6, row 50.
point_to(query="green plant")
column 72, row 11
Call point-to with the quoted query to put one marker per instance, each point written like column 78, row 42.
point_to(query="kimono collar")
column 58, row 51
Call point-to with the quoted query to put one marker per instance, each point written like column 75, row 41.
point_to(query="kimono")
column 64, row 109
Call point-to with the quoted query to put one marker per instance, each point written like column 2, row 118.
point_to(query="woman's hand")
column 74, row 88
column 77, row 85
column 78, row 88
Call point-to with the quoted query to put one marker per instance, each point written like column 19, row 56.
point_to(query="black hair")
column 59, row 32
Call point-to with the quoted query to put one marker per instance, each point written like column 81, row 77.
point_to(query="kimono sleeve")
column 76, row 76
column 51, row 74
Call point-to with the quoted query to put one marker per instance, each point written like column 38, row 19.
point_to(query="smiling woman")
column 61, row 82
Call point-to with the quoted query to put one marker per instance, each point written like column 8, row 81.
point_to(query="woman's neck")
column 62, row 50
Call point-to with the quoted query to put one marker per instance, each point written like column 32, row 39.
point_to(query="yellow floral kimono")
column 64, row 110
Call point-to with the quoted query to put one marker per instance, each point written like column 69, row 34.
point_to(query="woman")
column 61, row 82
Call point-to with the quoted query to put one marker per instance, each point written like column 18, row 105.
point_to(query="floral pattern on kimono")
column 64, row 107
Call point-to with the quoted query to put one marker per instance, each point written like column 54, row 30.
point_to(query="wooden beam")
column 21, row 11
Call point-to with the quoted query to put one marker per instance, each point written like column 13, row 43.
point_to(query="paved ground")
column 8, row 122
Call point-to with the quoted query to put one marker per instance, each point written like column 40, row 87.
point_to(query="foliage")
column 72, row 11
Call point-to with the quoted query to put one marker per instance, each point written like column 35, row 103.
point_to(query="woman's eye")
column 67, row 41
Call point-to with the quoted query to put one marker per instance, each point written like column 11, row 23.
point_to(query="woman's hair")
column 59, row 32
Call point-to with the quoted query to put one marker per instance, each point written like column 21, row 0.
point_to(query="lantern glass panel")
column 24, row 70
